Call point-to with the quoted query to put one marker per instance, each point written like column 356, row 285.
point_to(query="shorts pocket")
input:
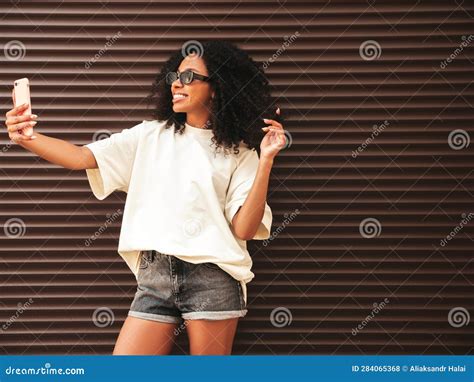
column 146, row 258
column 241, row 296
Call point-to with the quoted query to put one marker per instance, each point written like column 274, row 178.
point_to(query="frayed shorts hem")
column 223, row 315
column 156, row 317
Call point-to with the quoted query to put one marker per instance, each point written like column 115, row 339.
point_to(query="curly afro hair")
column 242, row 96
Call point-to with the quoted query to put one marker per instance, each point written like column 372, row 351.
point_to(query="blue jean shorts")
column 172, row 290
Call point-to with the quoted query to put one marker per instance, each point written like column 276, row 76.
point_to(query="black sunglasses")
column 185, row 77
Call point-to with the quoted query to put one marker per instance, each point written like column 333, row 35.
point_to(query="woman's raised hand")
column 16, row 121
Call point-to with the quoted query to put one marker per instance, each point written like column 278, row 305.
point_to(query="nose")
column 176, row 84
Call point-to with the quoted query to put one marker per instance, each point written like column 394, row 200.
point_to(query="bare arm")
column 53, row 150
column 60, row 152
column 249, row 216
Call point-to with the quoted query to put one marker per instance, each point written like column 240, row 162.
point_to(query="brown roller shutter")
column 391, row 77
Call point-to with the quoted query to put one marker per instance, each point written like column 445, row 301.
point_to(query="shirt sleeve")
column 240, row 184
column 114, row 156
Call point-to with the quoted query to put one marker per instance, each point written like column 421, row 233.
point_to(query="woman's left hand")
column 274, row 140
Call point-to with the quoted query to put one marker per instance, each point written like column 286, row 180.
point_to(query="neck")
column 200, row 121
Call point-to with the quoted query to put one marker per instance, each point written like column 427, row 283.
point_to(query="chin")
column 180, row 109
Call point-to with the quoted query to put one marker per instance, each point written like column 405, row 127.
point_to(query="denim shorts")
column 172, row 290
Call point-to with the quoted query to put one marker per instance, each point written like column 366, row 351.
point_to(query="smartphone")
column 22, row 95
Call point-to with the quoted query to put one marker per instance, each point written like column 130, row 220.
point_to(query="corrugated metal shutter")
column 352, row 66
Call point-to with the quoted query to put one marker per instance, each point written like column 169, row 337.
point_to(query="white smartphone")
column 22, row 95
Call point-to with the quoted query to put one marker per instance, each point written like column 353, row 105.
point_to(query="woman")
column 196, row 193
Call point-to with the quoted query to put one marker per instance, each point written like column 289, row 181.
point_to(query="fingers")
column 277, row 136
column 276, row 130
column 21, row 118
column 15, row 122
column 17, row 137
column 17, row 110
column 275, row 133
column 18, row 126
column 273, row 123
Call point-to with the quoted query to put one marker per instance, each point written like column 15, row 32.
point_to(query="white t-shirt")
column 181, row 195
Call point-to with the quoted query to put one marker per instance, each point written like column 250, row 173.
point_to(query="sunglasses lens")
column 187, row 77
column 171, row 77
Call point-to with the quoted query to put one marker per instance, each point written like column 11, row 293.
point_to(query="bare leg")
column 211, row 337
column 145, row 337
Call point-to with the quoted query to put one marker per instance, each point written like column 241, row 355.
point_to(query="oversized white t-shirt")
column 181, row 195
